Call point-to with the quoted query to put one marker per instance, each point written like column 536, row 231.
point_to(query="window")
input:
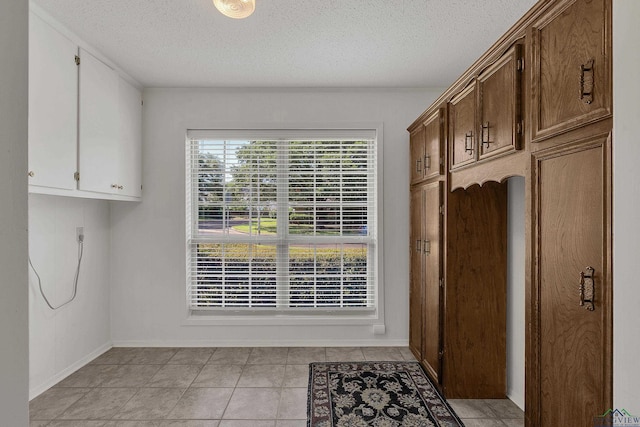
column 281, row 220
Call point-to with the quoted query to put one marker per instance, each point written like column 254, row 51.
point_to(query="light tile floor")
column 214, row 387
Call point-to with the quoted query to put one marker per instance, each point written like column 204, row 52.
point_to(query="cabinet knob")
column 120, row 187
column 114, row 185
column 32, row 174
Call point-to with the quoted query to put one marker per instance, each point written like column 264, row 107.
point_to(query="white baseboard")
column 55, row 379
column 517, row 398
column 265, row 343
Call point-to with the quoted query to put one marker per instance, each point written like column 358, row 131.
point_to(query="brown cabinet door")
column 416, row 144
column 574, row 342
column 571, row 78
column 462, row 125
column 416, row 279
column 432, row 339
column 433, row 140
column 475, row 323
column 499, row 96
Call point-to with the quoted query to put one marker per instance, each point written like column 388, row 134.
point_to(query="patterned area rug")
column 379, row 394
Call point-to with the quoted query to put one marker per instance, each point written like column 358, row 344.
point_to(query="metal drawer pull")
column 485, row 130
column 418, row 246
column 468, row 142
column 587, row 289
column 426, row 247
column 418, row 163
column 586, row 82
column 427, row 162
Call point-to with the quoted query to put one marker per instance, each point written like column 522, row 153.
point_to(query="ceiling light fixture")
column 236, row 9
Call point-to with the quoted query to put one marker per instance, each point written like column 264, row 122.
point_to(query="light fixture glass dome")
column 236, row 9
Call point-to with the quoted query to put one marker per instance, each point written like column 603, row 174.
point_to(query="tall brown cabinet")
column 537, row 104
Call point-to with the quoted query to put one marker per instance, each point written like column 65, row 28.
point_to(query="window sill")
column 324, row 318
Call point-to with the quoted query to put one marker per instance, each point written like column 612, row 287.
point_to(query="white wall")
column 626, row 205
column 14, row 350
column 515, row 291
column 62, row 341
column 148, row 239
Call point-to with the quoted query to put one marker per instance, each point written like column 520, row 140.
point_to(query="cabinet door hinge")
column 519, row 127
column 442, row 282
column 441, row 160
column 77, row 60
column 441, row 209
column 440, row 354
column 520, row 64
column 76, row 176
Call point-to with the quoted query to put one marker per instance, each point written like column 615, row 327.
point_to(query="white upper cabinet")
column 85, row 120
column 129, row 153
column 53, row 107
column 99, row 125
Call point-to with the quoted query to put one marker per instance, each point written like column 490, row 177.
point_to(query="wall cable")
column 75, row 279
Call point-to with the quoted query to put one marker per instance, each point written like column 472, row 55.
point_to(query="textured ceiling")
column 291, row 43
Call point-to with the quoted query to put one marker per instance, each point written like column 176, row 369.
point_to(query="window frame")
column 319, row 316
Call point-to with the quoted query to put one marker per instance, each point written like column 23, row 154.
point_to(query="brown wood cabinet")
column 462, row 127
column 499, row 94
column 426, row 276
column 571, row 56
column 426, row 143
column 416, row 147
column 485, row 117
column 475, row 293
column 573, row 283
column 416, row 284
column 433, row 164
column 432, row 299
column 457, row 331
column 537, row 104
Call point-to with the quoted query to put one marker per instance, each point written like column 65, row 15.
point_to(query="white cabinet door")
column 53, row 107
column 130, row 140
column 99, row 124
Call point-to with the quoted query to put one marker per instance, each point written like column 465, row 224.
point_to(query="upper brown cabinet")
column 426, row 148
column 462, row 127
column 433, row 163
column 571, row 80
column 499, row 100
column 485, row 118
column 416, row 144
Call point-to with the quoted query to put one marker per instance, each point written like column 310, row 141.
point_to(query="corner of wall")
column 14, row 333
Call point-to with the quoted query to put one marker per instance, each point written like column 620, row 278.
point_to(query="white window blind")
column 281, row 223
